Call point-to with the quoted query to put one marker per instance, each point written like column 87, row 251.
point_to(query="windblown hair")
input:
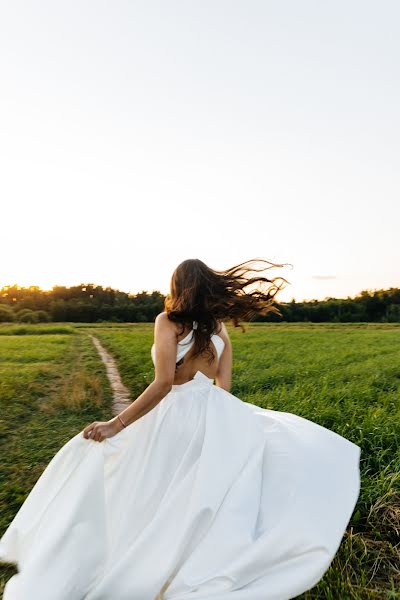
column 199, row 293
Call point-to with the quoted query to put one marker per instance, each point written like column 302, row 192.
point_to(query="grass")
column 345, row 377
column 35, row 329
column 51, row 386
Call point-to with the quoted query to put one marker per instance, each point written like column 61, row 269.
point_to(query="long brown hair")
column 199, row 293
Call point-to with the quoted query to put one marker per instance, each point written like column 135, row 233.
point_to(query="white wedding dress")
column 206, row 497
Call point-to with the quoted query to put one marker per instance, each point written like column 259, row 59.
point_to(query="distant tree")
column 393, row 313
column 88, row 302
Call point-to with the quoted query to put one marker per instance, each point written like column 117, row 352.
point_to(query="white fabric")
column 223, row 499
column 187, row 342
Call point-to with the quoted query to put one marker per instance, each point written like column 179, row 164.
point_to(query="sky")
column 135, row 135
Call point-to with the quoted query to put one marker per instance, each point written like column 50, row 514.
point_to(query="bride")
column 190, row 493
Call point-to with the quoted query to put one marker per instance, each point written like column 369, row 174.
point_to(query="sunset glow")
column 134, row 136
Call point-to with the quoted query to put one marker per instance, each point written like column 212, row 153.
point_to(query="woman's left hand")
column 100, row 430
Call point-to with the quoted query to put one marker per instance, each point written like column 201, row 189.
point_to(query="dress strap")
column 194, row 324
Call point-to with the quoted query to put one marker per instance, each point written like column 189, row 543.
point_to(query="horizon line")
column 148, row 292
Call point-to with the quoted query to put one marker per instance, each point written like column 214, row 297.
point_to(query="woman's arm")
column 165, row 344
column 223, row 378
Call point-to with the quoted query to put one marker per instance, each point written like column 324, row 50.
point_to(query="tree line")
column 90, row 303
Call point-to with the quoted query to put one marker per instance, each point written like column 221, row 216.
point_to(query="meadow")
column 346, row 377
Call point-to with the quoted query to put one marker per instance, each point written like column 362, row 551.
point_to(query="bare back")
column 219, row 370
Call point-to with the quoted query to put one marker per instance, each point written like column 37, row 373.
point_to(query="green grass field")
column 345, row 377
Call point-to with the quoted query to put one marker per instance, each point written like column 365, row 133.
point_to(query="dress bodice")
column 187, row 342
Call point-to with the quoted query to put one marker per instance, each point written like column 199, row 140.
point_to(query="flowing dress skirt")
column 204, row 497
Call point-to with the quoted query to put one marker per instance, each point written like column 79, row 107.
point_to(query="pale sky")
column 134, row 135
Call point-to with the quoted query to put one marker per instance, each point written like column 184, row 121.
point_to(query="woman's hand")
column 100, row 430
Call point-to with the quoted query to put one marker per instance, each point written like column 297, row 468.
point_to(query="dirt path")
column 121, row 397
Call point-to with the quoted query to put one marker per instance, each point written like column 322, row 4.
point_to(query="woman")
column 190, row 492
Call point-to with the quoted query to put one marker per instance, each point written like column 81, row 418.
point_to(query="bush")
column 22, row 311
column 43, row 316
column 29, row 317
column 7, row 314
column 26, row 315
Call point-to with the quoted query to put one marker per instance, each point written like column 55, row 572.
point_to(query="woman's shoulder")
column 163, row 321
column 161, row 317
column 222, row 330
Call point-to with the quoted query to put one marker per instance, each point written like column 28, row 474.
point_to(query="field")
column 345, row 377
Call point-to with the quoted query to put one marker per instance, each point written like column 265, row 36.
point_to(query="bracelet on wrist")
column 123, row 424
